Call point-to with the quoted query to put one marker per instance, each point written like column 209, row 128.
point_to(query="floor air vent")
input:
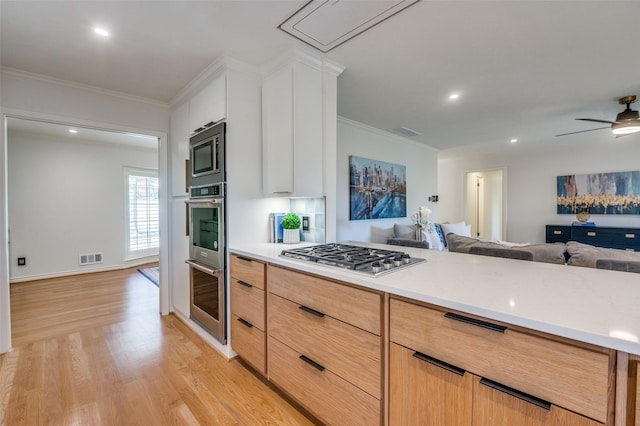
column 90, row 258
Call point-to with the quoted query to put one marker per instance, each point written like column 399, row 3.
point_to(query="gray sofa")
column 572, row 253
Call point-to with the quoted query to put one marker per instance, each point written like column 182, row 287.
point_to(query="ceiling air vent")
column 326, row 24
column 406, row 132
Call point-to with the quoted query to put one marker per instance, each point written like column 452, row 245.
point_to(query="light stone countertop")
column 585, row 304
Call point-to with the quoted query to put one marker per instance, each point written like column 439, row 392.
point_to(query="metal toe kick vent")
column 90, row 258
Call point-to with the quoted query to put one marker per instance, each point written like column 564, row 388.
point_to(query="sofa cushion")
column 586, row 255
column 548, row 253
column 404, row 232
column 408, row 243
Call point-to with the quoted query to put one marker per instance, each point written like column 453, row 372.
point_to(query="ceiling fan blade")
column 596, row 120
column 626, row 134
column 582, row 131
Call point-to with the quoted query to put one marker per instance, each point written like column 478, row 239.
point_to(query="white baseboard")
column 126, row 265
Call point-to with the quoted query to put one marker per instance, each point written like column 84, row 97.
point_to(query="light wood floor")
column 93, row 350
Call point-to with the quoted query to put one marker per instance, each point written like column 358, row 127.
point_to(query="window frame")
column 130, row 254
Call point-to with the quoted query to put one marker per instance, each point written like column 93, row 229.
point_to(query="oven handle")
column 204, row 268
column 205, row 203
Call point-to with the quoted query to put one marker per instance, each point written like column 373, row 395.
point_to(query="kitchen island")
column 589, row 317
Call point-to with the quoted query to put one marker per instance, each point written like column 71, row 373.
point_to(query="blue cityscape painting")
column 599, row 193
column 377, row 189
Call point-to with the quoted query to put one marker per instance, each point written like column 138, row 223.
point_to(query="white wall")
column 531, row 179
column 364, row 141
column 66, row 198
column 32, row 96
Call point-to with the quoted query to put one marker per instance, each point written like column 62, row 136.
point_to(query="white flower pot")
column 291, row 236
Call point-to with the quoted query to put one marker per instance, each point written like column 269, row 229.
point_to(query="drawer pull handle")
column 556, row 232
column 629, row 235
column 517, row 394
column 311, row 311
column 591, row 234
column 245, row 322
column 451, row 368
column 244, row 259
column 477, row 323
column 311, row 363
column 242, row 283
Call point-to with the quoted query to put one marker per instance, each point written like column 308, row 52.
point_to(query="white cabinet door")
column 179, row 149
column 292, row 123
column 209, row 104
column 277, row 128
column 180, row 296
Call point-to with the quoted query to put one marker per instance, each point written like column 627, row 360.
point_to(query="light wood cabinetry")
column 521, row 365
column 325, row 346
column 248, row 331
column 633, row 400
column 421, row 389
column 496, row 406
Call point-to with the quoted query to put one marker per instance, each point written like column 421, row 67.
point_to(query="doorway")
column 485, row 204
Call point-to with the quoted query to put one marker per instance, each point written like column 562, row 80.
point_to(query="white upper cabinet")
column 179, row 149
column 294, row 136
column 208, row 104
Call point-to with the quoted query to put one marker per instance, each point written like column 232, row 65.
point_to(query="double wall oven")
column 207, row 230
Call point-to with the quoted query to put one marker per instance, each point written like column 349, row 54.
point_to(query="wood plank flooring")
column 93, row 350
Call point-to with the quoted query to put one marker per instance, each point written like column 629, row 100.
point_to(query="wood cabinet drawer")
column 563, row 374
column 248, row 270
column 423, row 393
column 492, row 407
column 248, row 303
column 352, row 305
column 330, row 398
column 249, row 343
column 349, row 352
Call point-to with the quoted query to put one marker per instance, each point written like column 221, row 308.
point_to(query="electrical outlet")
column 22, row 261
column 305, row 223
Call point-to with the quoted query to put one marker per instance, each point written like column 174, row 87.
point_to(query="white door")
column 485, row 204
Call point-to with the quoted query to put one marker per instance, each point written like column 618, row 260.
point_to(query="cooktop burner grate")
column 365, row 259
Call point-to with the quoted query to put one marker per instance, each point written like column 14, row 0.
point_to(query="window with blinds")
column 143, row 213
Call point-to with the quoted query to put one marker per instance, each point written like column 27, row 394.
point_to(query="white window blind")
column 143, row 213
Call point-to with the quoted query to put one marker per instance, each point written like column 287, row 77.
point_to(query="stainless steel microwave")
column 207, row 155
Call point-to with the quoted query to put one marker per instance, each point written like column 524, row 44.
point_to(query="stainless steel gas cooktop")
column 372, row 261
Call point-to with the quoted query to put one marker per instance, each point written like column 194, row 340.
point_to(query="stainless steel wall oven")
column 207, row 231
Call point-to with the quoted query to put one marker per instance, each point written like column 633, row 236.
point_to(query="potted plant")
column 291, row 228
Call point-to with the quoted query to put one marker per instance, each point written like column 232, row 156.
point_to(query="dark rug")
column 153, row 274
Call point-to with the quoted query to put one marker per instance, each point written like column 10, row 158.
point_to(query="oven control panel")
column 216, row 190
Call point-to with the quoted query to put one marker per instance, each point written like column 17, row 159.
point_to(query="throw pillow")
column 435, row 243
column 459, row 228
column 443, row 240
column 405, row 232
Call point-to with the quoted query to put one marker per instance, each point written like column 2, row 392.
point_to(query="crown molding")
column 14, row 72
column 212, row 71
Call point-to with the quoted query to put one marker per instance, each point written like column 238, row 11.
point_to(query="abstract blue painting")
column 599, row 193
column 377, row 189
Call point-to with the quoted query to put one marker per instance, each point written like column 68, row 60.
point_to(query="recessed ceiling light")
column 73, row 131
column 514, row 140
column 454, row 96
column 101, row 31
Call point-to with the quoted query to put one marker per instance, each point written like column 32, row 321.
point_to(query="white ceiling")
column 524, row 69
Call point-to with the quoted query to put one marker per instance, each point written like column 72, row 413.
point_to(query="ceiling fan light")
column 625, row 128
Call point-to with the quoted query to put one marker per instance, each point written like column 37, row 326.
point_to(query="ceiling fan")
column 627, row 122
